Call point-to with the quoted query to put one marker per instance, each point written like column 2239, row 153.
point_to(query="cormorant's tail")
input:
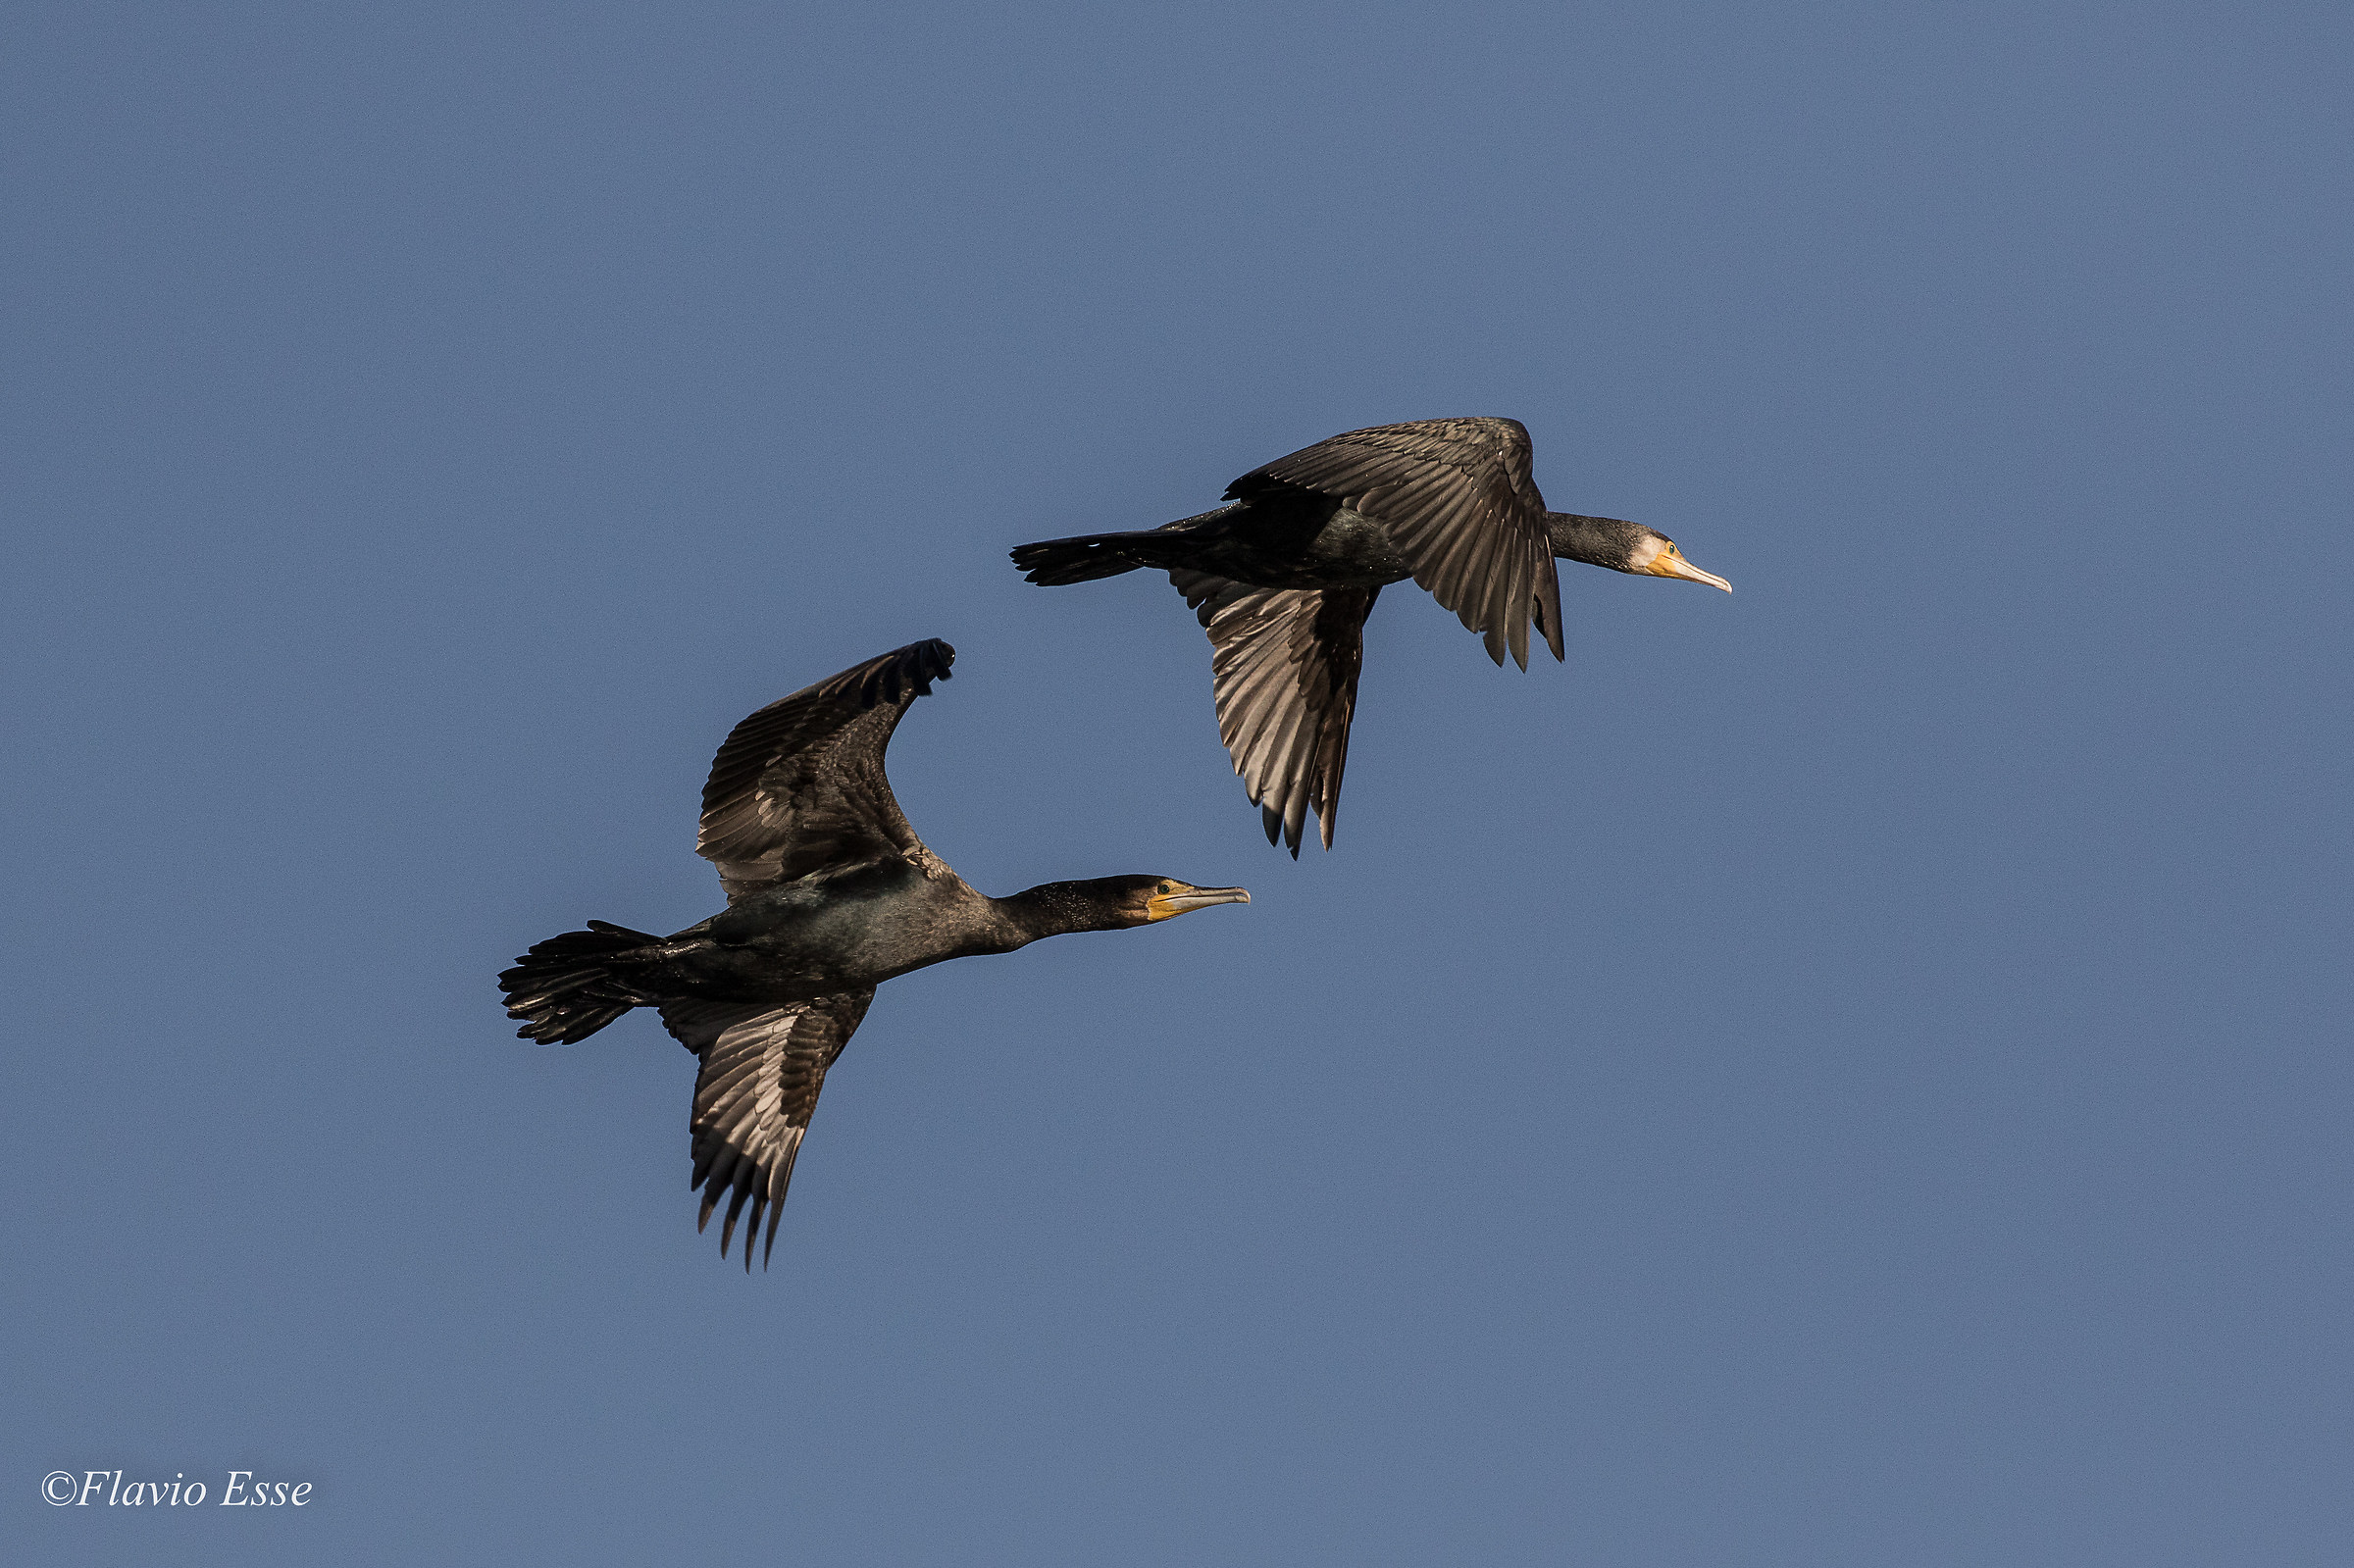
column 1053, row 563
column 562, row 990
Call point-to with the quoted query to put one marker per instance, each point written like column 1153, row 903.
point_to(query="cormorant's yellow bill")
column 1670, row 563
column 1176, row 897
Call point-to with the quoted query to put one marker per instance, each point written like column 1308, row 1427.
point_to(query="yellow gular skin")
column 1177, row 897
column 1670, row 563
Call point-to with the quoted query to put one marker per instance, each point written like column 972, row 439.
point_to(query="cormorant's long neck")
column 1050, row 909
column 1593, row 540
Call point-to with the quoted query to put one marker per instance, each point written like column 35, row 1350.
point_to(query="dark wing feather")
column 798, row 787
column 763, row 1067
column 1284, row 664
column 1461, row 505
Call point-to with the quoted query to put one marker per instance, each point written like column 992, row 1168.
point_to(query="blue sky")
column 1851, row 1073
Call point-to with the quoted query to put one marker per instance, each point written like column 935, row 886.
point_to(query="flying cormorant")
column 830, row 893
column 1284, row 577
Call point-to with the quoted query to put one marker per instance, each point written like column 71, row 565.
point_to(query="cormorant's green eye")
column 1164, row 888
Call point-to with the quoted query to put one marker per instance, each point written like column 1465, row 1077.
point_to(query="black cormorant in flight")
column 1284, row 577
column 830, row 893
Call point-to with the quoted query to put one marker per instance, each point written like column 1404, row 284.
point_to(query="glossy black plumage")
column 1283, row 579
column 1460, row 507
column 830, row 892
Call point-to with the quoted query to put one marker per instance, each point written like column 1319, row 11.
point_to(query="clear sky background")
column 1850, row 1073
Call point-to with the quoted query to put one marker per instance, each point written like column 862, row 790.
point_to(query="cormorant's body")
column 1284, row 577
column 1285, row 539
column 819, row 934
column 830, row 893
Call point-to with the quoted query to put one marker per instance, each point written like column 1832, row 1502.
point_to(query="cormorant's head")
column 1106, row 903
column 1625, row 546
column 1655, row 555
column 1141, row 900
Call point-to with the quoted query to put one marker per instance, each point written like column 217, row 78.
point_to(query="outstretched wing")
column 1460, row 504
column 798, row 787
column 1284, row 663
column 763, row 1067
